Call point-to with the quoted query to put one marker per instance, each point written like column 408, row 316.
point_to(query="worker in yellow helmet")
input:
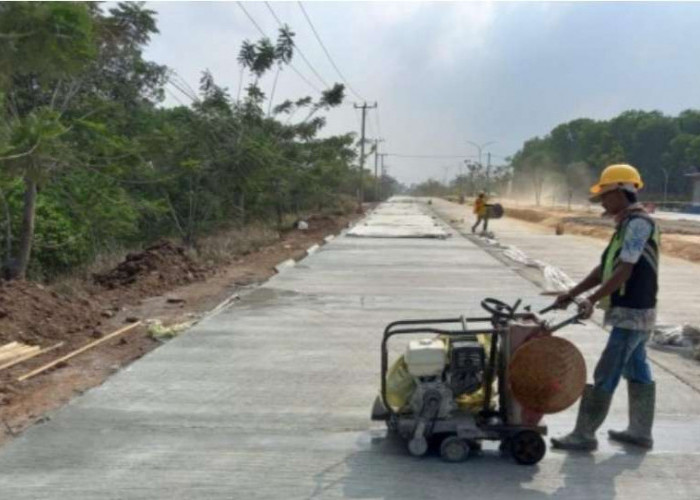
column 626, row 283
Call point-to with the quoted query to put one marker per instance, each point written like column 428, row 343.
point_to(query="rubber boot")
column 642, row 399
column 593, row 409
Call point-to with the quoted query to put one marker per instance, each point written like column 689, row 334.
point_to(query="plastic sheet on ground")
column 678, row 336
column 555, row 279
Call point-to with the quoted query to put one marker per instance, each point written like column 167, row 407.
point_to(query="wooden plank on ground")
column 86, row 347
column 29, row 356
column 20, row 351
column 8, row 346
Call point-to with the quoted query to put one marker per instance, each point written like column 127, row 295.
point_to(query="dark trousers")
column 479, row 220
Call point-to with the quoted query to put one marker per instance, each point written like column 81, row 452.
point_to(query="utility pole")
column 360, row 190
column 488, row 175
column 376, row 176
column 446, row 170
column 479, row 147
column 383, row 171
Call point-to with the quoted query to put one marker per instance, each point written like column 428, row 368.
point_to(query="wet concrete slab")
column 399, row 218
column 271, row 399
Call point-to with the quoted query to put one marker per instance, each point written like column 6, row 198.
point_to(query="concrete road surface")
column 271, row 399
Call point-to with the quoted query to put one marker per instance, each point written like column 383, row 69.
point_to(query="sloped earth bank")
column 681, row 238
column 162, row 282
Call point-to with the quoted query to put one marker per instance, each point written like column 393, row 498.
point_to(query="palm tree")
column 246, row 58
column 265, row 57
column 329, row 99
column 284, row 51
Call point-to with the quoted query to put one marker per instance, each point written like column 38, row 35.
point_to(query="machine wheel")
column 418, row 446
column 527, row 447
column 454, row 449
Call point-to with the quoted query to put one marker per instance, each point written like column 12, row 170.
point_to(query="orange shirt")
column 480, row 206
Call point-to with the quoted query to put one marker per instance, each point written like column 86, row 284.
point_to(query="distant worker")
column 627, row 275
column 481, row 212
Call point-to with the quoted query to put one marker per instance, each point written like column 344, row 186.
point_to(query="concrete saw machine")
column 456, row 384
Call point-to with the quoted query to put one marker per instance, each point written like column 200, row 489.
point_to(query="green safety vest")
column 639, row 292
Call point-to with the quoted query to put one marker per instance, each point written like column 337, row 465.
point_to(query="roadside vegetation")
column 559, row 167
column 91, row 163
column 664, row 148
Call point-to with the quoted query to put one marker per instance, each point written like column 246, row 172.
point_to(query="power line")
column 184, row 82
column 399, row 155
column 184, row 92
column 303, row 10
column 172, row 94
column 281, row 25
column 437, row 157
column 305, row 79
column 177, row 81
column 260, row 30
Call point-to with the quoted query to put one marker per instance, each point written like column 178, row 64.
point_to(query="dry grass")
column 222, row 247
column 213, row 250
column 79, row 282
column 340, row 205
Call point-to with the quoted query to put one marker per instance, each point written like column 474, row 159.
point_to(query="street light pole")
column 360, row 188
column 383, row 172
column 479, row 147
column 666, row 172
column 376, row 172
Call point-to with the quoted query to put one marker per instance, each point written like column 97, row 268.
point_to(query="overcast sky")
column 444, row 72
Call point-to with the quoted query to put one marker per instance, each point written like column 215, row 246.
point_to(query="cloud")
column 443, row 72
column 464, row 28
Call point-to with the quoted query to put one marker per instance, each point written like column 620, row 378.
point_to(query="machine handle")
column 576, row 318
column 555, row 306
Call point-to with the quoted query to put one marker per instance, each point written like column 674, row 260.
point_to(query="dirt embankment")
column 163, row 282
column 680, row 238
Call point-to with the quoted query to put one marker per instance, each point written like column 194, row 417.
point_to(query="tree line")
column 472, row 180
column 664, row 148
column 90, row 160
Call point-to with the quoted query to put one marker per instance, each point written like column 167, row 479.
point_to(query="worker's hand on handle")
column 585, row 308
column 563, row 300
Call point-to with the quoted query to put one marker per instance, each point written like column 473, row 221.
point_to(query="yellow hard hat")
column 620, row 176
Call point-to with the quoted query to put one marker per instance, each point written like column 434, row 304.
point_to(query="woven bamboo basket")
column 547, row 375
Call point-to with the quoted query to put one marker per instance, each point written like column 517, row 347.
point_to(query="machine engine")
column 466, row 369
column 442, row 373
